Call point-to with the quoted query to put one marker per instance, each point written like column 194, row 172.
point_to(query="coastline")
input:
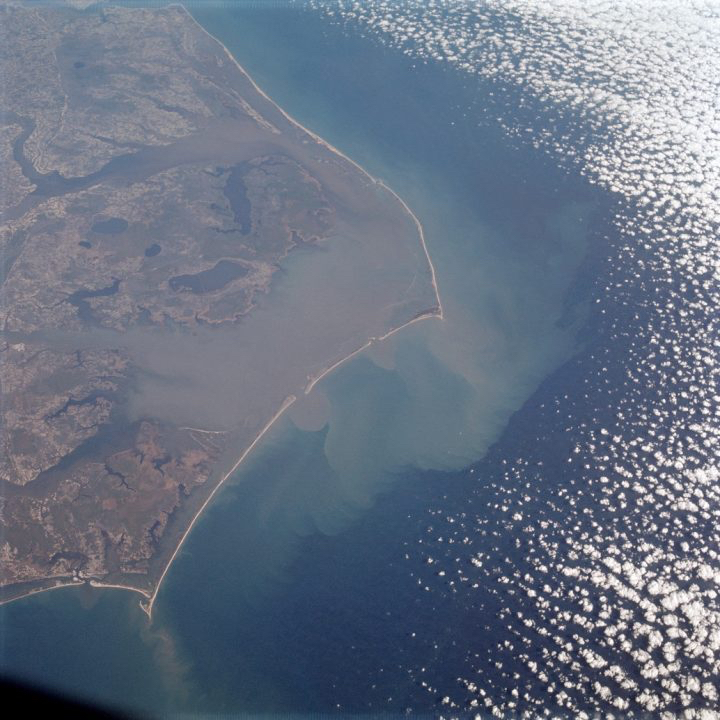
column 149, row 597
column 38, row 591
column 147, row 607
column 332, row 149
column 369, row 343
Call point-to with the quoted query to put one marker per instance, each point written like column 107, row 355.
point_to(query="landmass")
column 181, row 260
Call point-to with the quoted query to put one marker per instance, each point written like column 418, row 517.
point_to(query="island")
column 180, row 261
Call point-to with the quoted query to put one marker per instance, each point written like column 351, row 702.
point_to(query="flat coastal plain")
column 180, row 260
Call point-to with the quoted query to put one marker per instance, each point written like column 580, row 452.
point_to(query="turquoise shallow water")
column 291, row 593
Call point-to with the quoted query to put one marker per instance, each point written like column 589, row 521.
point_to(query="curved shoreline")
column 329, row 147
column 147, row 607
column 38, row 591
column 77, row 583
column 149, row 597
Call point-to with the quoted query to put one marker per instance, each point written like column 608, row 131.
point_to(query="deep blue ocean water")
column 293, row 593
column 339, row 570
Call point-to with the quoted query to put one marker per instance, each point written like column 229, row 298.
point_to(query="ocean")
column 510, row 509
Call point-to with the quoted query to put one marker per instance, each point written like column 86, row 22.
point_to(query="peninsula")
column 181, row 259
